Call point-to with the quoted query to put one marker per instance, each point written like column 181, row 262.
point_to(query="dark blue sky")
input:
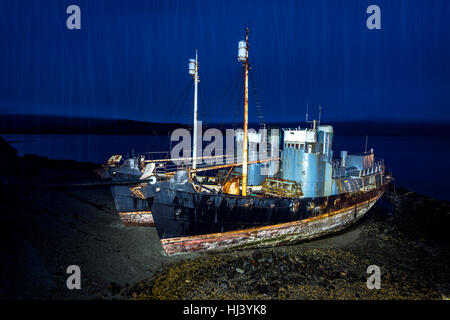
column 129, row 60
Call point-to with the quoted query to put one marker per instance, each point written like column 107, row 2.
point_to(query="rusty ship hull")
column 189, row 221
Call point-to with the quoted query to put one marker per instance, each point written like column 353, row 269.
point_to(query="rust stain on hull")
column 283, row 233
column 137, row 219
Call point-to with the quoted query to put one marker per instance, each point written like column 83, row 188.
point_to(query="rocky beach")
column 48, row 224
column 409, row 242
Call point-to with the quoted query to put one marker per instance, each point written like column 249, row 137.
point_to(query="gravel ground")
column 405, row 234
column 44, row 230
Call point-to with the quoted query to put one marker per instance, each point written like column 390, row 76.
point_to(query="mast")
column 243, row 57
column 193, row 71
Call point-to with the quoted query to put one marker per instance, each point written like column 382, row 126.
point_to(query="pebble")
column 240, row 270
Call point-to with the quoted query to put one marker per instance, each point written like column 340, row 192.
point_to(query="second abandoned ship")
column 312, row 195
column 132, row 211
column 156, row 166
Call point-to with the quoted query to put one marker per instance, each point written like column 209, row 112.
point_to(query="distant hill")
column 44, row 124
column 373, row 128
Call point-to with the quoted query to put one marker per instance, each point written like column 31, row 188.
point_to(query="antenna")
column 365, row 149
column 320, row 112
column 307, row 105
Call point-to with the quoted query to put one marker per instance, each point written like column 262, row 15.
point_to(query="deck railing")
column 339, row 171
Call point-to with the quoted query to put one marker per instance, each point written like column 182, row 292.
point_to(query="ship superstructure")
column 307, row 158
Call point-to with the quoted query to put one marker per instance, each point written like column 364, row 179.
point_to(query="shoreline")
column 47, row 229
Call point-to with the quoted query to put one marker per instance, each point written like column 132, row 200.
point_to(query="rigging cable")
column 177, row 101
column 220, row 108
column 259, row 110
column 185, row 95
column 203, row 108
column 240, row 103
